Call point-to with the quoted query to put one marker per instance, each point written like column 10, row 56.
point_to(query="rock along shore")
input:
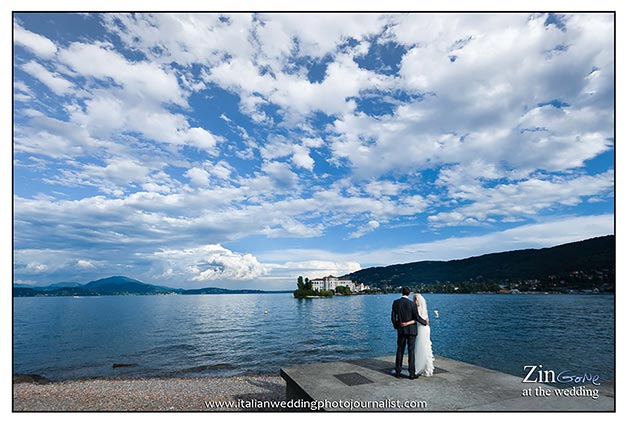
column 151, row 394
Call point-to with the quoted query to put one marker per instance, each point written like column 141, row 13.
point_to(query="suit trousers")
column 402, row 340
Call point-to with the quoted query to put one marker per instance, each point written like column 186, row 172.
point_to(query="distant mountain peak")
column 114, row 280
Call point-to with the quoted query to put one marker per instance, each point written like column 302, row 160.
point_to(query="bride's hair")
column 417, row 302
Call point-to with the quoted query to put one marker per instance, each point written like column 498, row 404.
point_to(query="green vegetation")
column 343, row 290
column 304, row 289
column 587, row 265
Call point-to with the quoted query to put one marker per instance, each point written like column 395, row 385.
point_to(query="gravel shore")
column 247, row 393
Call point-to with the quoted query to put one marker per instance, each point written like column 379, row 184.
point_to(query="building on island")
column 330, row 283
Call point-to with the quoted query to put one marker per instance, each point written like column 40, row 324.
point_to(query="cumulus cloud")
column 201, row 138
column 301, row 158
column 222, row 169
column 143, row 79
column 281, row 174
column 119, row 170
column 198, row 176
column 36, row 43
column 211, row 262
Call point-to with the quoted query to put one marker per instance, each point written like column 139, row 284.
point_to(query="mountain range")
column 115, row 286
column 584, row 264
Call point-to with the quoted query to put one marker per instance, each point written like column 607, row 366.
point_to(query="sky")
column 242, row 150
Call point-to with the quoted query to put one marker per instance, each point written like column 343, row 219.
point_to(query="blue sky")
column 244, row 150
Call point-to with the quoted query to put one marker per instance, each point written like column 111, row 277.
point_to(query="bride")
column 423, row 349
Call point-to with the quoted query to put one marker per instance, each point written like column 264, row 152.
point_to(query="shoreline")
column 235, row 393
column 575, row 293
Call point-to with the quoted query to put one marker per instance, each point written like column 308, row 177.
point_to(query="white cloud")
column 320, row 34
column 290, row 227
column 313, row 142
column 104, row 114
column 137, row 100
column 293, row 92
column 301, row 157
column 202, row 139
column 115, row 111
column 370, row 226
column 384, row 188
column 118, row 171
column 198, row 176
column 281, row 174
column 348, row 208
column 211, row 262
column 126, row 97
column 157, row 188
column 36, row 268
column 523, row 199
column 222, row 169
column 83, row 263
column 276, row 147
column 343, row 79
column 54, row 138
column 54, row 82
column 36, row 43
column 139, row 79
column 241, row 74
column 175, row 37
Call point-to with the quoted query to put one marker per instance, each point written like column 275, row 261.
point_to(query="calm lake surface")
column 207, row 335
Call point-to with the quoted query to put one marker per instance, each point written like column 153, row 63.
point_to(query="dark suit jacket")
column 404, row 310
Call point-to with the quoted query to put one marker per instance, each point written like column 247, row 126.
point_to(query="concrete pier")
column 369, row 385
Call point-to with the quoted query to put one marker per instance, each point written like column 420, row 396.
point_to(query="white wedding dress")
column 423, row 349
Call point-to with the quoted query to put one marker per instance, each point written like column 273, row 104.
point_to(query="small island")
column 327, row 287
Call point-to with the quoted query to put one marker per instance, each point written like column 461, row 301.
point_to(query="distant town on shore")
column 586, row 266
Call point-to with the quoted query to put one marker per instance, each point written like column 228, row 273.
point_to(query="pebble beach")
column 244, row 393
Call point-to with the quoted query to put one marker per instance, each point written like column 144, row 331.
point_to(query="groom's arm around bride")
column 415, row 318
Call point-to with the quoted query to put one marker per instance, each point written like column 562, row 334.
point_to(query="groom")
column 404, row 318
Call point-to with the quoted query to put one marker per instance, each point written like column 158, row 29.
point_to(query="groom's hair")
column 405, row 291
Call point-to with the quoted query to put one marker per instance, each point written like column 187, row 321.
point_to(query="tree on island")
column 300, row 285
column 343, row 290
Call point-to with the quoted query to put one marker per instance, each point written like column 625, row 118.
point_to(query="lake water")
column 207, row 335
